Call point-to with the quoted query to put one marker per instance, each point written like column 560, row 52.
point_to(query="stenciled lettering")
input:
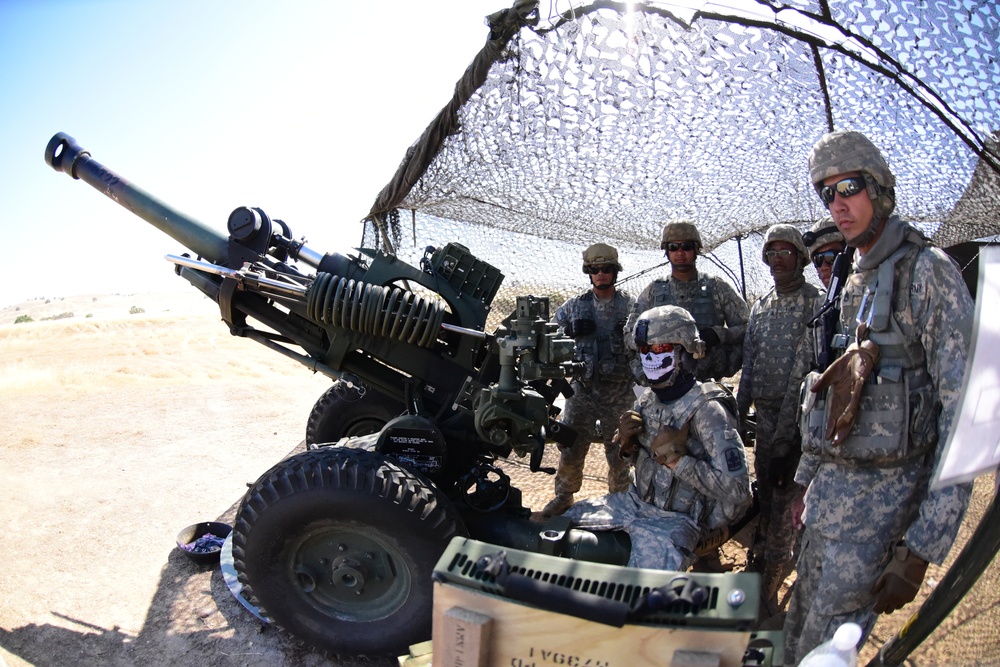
column 108, row 177
column 557, row 658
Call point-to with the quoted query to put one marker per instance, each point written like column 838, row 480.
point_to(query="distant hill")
column 108, row 306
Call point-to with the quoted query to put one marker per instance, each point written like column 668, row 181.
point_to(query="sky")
column 302, row 108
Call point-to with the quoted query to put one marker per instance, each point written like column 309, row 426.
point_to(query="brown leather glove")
column 846, row 377
column 670, row 444
column 900, row 581
column 629, row 427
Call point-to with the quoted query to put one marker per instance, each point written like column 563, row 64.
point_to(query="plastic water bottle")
column 841, row 651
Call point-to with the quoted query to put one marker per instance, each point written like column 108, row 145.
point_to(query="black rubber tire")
column 343, row 411
column 337, row 546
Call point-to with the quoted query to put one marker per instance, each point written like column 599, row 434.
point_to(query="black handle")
column 560, row 600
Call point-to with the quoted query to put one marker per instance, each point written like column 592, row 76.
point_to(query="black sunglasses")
column 686, row 246
column 825, row 257
column 594, row 270
column 845, row 188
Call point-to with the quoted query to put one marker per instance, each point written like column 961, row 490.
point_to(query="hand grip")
column 561, row 600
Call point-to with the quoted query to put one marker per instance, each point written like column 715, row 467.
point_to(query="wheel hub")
column 348, row 573
column 343, row 572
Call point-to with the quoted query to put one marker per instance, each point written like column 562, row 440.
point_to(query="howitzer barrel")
column 64, row 154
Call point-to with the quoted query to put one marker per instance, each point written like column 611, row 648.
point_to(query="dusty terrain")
column 122, row 428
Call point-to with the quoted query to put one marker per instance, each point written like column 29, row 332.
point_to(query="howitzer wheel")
column 344, row 411
column 337, row 547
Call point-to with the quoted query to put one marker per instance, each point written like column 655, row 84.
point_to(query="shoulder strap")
column 881, row 307
column 709, row 391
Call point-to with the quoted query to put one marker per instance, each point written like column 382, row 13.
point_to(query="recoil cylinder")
column 386, row 311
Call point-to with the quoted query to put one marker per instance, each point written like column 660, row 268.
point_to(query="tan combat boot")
column 558, row 505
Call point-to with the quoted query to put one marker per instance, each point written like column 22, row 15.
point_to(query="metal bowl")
column 191, row 534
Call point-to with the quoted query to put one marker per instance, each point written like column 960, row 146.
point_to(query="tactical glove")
column 900, row 581
column 846, row 378
column 708, row 335
column 577, row 328
column 670, row 444
column 783, row 469
column 629, row 427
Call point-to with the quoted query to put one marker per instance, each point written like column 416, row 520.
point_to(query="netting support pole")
column 743, row 278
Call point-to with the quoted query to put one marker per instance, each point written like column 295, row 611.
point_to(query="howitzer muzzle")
column 63, row 154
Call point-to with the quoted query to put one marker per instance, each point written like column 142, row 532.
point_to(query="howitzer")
column 337, row 544
column 358, row 321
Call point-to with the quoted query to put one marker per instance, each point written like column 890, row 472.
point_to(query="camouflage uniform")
column 773, row 340
column 873, row 489
column 601, row 393
column 666, row 511
column 714, row 304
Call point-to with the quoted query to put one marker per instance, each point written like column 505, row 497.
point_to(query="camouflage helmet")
column 680, row 231
column 789, row 234
column 822, row 233
column 669, row 324
column 845, row 151
column 600, row 254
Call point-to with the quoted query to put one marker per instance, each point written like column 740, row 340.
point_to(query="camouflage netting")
column 593, row 124
column 598, row 124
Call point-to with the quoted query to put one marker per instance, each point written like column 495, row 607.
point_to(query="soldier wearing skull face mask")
column 690, row 468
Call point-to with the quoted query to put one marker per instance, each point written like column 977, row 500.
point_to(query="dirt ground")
column 120, row 429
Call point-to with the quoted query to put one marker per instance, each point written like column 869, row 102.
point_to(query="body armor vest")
column 656, row 483
column 776, row 340
column 897, row 415
column 602, row 352
column 701, row 304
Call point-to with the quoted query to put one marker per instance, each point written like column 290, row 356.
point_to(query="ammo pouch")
column 812, row 416
column 685, row 499
column 896, row 422
column 618, row 342
column 662, row 489
column 587, row 358
column 615, row 369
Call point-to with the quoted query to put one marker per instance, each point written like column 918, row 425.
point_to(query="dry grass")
column 177, row 339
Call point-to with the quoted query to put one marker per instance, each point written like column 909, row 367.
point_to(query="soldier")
column 720, row 312
column 774, row 333
column 872, row 523
column 828, row 252
column 596, row 320
column 825, row 242
column 690, row 466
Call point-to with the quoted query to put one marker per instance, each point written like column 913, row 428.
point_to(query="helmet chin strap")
column 883, row 203
column 869, row 235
